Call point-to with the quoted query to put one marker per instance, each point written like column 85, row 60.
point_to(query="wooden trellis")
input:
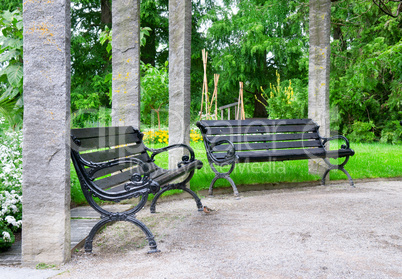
column 205, row 95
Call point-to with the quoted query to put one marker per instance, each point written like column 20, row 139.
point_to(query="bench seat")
column 228, row 142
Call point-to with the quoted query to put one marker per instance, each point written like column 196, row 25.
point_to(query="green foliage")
column 77, row 197
column 362, row 131
column 10, row 5
column 154, row 92
column 366, row 65
column 11, row 71
column 7, row 238
column 91, row 108
column 253, row 41
column 392, row 133
column 283, row 103
column 91, row 66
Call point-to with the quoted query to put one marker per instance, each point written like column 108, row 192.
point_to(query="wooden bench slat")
column 261, row 129
column 269, row 145
column 105, row 142
column 161, row 176
column 264, row 138
column 277, row 155
column 102, row 132
column 122, row 167
column 114, row 181
column 254, row 122
column 114, row 153
column 288, row 154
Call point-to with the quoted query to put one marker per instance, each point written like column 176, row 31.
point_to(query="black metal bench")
column 228, row 142
column 113, row 164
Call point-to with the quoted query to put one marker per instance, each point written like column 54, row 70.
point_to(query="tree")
column 154, row 90
column 254, row 40
column 366, row 63
column 387, row 9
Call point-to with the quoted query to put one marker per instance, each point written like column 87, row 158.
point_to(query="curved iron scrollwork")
column 141, row 183
column 230, row 156
column 173, row 146
column 140, row 186
column 347, row 146
column 338, row 166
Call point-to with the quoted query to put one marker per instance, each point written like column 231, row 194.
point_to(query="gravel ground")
column 319, row 232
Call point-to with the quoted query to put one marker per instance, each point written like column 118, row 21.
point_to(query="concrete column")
column 126, row 63
column 46, row 153
column 179, row 75
column 319, row 68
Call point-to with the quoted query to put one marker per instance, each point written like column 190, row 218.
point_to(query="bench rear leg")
column 179, row 186
column 224, row 176
column 131, row 219
column 344, row 171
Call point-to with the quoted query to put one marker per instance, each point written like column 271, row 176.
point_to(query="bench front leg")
column 337, row 167
column 225, row 175
column 341, row 166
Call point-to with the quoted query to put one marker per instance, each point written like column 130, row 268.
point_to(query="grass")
column 371, row 160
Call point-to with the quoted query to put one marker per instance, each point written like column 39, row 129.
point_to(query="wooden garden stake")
column 215, row 97
column 240, row 104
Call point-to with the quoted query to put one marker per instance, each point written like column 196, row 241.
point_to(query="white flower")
column 6, row 236
column 11, row 220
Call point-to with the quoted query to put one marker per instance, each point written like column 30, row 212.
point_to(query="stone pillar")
column 46, row 128
column 179, row 75
column 319, row 68
column 126, row 63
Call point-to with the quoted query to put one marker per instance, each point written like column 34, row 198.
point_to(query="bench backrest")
column 261, row 134
column 102, row 145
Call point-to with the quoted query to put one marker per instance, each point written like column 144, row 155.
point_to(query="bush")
column 10, row 185
column 362, row 131
column 285, row 101
column 392, row 133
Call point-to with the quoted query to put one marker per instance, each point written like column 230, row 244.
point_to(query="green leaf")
column 8, row 55
column 14, row 74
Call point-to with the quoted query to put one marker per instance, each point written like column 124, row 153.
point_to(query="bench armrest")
column 173, row 146
column 95, row 167
column 347, row 146
column 230, row 154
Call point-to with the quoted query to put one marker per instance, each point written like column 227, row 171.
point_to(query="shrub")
column 10, row 185
column 362, row 131
column 284, row 100
column 392, row 133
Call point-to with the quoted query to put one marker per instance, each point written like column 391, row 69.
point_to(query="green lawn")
column 371, row 160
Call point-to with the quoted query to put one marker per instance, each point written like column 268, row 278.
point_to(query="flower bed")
column 10, row 185
column 162, row 136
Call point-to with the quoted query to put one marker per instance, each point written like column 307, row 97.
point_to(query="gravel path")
column 319, row 232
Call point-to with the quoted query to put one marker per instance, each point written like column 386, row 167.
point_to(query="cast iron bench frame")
column 228, row 142
column 113, row 164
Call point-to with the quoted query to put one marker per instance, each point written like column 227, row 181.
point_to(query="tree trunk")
column 260, row 110
column 106, row 12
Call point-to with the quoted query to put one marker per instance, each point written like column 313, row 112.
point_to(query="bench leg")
column 224, row 176
column 344, row 171
column 131, row 219
column 179, row 186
